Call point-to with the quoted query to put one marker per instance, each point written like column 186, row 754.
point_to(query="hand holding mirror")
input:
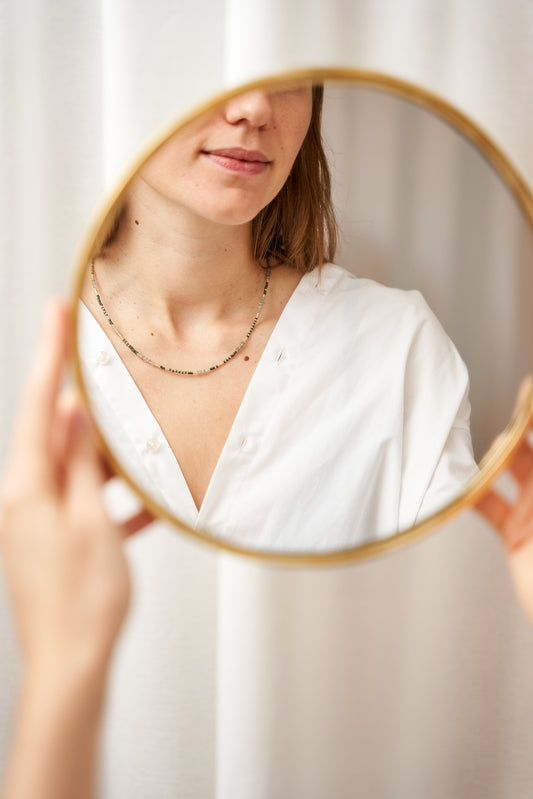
column 330, row 416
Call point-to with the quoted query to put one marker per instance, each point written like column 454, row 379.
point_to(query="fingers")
column 495, row 510
column 137, row 522
column 31, row 446
column 84, row 473
column 107, row 470
column 513, row 521
column 521, row 467
column 88, row 471
column 522, row 514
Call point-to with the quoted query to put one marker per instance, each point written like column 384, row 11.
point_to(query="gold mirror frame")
column 500, row 453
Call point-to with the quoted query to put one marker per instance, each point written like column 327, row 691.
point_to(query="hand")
column 68, row 581
column 63, row 558
column 515, row 525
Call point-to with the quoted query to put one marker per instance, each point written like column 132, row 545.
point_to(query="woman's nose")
column 253, row 107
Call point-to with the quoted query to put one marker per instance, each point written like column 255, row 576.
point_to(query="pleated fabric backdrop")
column 405, row 677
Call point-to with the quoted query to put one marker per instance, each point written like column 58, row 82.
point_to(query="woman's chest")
column 197, row 412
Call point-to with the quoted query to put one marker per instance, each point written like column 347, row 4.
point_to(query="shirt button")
column 102, row 357
column 249, row 444
column 152, row 444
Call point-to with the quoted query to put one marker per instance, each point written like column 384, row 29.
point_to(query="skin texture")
column 201, row 186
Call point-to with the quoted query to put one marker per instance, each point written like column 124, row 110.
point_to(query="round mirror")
column 287, row 317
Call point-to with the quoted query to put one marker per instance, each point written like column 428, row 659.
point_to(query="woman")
column 259, row 378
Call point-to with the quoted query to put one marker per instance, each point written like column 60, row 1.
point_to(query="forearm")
column 55, row 740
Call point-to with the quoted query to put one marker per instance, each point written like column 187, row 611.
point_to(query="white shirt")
column 355, row 423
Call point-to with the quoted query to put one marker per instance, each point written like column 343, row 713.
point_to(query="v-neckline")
column 309, row 281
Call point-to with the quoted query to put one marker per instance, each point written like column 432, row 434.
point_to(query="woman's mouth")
column 237, row 159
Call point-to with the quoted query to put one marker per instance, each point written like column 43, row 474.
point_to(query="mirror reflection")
column 281, row 330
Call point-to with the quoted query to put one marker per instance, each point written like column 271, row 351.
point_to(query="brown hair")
column 298, row 226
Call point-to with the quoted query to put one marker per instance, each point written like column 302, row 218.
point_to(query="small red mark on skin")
column 136, row 221
column 246, row 358
column 151, row 334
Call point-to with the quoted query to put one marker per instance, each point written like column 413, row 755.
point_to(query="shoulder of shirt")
column 336, row 281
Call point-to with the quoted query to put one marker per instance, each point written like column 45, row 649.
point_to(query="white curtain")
column 407, row 676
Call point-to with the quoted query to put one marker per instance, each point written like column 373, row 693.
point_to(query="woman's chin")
column 232, row 217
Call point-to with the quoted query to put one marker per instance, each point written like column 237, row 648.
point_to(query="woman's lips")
column 237, row 159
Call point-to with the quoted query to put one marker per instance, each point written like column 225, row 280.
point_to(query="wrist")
column 60, row 687
column 56, row 732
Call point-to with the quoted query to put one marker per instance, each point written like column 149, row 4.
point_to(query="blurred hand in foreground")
column 67, row 579
column 514, row 523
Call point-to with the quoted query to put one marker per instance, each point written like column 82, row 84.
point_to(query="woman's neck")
column 176, row 265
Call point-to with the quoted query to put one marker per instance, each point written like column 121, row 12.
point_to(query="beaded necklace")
column 147, row 360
